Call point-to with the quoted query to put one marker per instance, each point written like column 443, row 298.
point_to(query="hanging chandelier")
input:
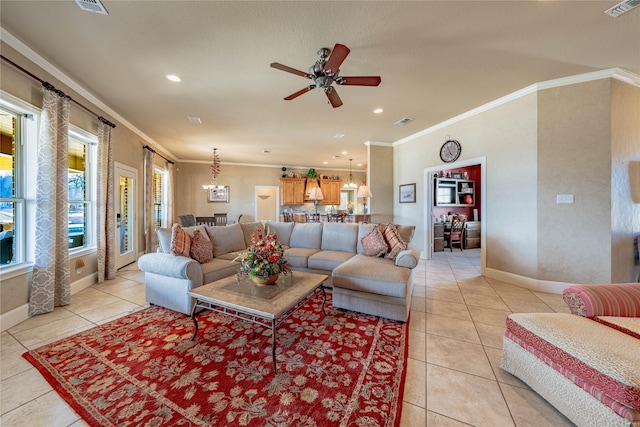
column 215, row 171
column 350, row 184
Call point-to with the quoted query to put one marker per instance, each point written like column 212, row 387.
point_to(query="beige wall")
column 506, row 136
column 574, row 149
column 581, row 139
column 380, row 158
column 242, row 180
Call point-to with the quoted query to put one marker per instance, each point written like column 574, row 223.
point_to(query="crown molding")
column 614, row 73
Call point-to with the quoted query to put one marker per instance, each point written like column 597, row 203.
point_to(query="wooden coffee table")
column 268, row 306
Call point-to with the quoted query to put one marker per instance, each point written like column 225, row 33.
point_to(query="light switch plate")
column 564, row 198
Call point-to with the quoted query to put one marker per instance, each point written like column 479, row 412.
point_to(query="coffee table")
column 268, row 306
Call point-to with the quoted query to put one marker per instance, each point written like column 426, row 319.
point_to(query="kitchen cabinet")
column 330, row 191
column 292, row 191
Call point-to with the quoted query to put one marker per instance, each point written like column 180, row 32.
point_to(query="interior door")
column 267, row 203
column 125, row 206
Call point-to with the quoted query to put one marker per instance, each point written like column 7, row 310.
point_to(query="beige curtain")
column 51, row 283
column 151, row 240
column 171, row 168
column 105, row 212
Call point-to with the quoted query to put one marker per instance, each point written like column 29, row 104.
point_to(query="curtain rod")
column 155, row 152
column 49, row 86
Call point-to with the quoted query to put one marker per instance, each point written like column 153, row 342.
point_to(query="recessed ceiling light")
column 325, row 163
column 378, row 110
column 173, row 78
column 359, row 164
column 344, row 152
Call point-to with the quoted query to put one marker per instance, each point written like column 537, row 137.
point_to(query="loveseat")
column 586, row 363
column 375, row 285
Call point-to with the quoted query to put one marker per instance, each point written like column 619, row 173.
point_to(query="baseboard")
column 527, row 282
column 20, row 314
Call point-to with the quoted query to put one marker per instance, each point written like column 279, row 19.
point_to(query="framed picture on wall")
column 456, row 175
column 218, row 194
column 408, row 193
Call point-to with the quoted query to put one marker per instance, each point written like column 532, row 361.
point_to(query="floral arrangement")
column 265, row 257
column 351, row 206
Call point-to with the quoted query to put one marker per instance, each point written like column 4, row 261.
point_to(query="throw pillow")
column 373, row 243
column 395, row 242
column 180, row 241
column 201, row 248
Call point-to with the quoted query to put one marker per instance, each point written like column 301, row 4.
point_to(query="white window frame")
column 26, row 179
column 91, row 141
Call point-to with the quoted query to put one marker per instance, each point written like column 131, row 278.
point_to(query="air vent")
column 403, row 121
column 622, row 7
column 195, row 120
column 92, row 6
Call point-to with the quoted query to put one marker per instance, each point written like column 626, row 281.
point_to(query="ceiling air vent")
column 92, row 6
column 622, row 7
column 403, row 121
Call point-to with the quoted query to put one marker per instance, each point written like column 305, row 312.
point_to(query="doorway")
column 267, row 203
column 125, row 207
column 429, row 197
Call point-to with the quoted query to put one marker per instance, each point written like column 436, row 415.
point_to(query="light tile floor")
column 455, row 342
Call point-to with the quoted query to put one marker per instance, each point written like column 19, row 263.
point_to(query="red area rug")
column 345, row 369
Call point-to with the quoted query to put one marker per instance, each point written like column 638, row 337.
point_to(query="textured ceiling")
column 437, row 59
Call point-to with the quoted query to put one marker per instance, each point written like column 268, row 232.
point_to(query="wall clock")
column 450, row 151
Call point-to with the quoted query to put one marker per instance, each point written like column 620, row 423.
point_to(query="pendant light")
column 350, row 184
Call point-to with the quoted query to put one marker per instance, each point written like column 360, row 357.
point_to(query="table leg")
column 324, row 299
column 273, row 346
column 195, row 322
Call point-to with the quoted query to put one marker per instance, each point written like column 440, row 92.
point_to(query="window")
column 159, row 198
column 11, row 196
column 81, row 173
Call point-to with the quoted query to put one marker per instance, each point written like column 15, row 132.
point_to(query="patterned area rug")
column 345, row 369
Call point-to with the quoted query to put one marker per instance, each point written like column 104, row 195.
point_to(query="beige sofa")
column 371, row 285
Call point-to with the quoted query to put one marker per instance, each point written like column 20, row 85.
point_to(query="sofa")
column 585, row 363
column 378, row 285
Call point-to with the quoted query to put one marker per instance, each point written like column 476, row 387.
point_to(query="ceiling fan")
column 325, row 72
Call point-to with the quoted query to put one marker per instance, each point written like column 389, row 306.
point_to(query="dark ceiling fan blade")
column 334, row 99
column 338, row 55
column 290, row 70
column 360, row 80
column 300, row 92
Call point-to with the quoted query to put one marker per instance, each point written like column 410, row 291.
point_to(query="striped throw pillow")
column 180, row 241
column 394, row 241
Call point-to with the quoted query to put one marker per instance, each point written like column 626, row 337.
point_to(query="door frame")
column 255, row 200
column 120, row 262
column 428, row 204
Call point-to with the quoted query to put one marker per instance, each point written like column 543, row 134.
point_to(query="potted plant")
column 264, row 260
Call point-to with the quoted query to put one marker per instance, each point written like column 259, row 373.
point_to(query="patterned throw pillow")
column 201, row 248
column 395, row 242
column 373, row 243
column 180, row 241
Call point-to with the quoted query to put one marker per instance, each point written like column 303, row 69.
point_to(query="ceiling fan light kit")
column 325, row 72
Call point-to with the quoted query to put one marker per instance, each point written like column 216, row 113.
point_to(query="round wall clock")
column 450, row 151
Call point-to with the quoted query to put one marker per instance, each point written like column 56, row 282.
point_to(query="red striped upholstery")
column 619, row 299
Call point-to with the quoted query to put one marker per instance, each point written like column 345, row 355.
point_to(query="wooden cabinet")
column 454, row 192
column 330, row 191
column 438, row 237
column 292, row 191
column 472, row 234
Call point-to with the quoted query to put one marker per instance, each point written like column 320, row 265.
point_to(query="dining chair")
column 187, row 220
column 313, row 217
column 220, row 218
column 454, row 234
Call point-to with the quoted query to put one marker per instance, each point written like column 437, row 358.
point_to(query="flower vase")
column 262, row 281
